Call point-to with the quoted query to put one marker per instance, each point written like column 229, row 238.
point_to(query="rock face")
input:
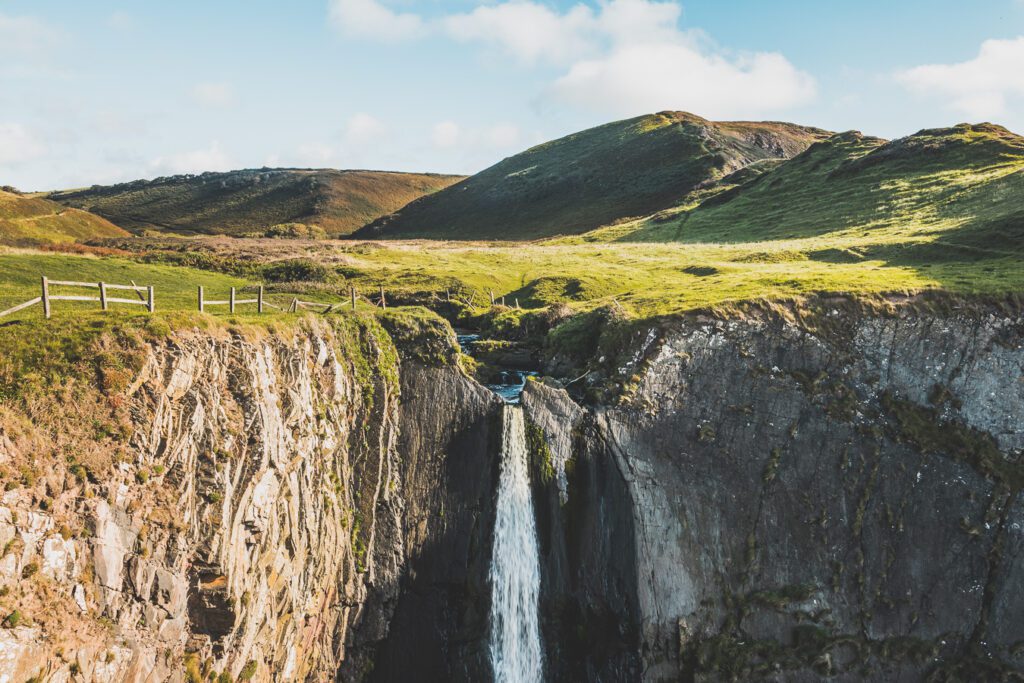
column 765, row 501
column 773, row 503
column 276, row 496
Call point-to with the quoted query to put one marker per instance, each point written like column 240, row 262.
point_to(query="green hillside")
column 255, row 200
column 960, row 188
column 26, row 221
column 577, row 183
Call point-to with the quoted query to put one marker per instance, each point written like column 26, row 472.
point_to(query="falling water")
column 515, row 571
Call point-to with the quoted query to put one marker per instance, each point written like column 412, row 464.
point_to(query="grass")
column 28, row 220
column 640, row 280
column 582, row 181
column 175, row 287
column 941, row 210
column 256, row 200
column 963, row 184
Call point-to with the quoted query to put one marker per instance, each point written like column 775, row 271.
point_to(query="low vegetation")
column 31, row 221
column 582, row 181
column 265, row 202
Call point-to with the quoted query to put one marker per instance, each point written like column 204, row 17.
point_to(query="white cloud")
column 529, row 31
column 315, row 154
column 363, row 129
column 216, row 95
column 979, row 87
column 371, row 19
column 212, row 158
column 18, row 144
column 636, row 79
column 121, row 21
column 623, row 57
column 502, row 135
column 445, row 134
column 26, row 35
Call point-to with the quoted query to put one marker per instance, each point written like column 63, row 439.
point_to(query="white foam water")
column 515, row 568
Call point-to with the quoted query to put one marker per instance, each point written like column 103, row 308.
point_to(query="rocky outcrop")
column 270, row 496
column 784, row 503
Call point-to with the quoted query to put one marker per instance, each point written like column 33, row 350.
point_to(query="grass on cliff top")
column 664, row 279
column 174, row 287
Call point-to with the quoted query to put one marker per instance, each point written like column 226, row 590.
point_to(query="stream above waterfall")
column 510, row 382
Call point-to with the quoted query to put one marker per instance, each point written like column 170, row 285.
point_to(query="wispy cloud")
column 25, row 35
column 210, row 158
column 371, row 19
column 979, row 87
column 622, row 57
column 214, row 95
column 18, row 144
column 121, row 21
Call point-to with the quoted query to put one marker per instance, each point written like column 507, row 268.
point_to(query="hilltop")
column 27, row 220
column 961, row 187
column 255, row 200
column 596, row 177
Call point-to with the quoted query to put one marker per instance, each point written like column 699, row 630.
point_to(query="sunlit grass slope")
column 255, row 200
column 28, row 220
column 962, row 186
column 577, row 183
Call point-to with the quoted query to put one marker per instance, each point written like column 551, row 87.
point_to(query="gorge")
column 768, row 496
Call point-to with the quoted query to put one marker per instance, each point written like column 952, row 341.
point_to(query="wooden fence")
column 47, row 297
column 145, row 298
column 233, row 301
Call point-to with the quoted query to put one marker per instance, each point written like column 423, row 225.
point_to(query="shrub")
column 13, row 619
column 29, row 570
column 297, row 270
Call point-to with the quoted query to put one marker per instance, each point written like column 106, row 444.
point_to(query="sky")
column 100, row 92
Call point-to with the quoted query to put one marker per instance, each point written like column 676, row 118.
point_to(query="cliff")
column 777, row 500
column 244, row 504
column 778, row 495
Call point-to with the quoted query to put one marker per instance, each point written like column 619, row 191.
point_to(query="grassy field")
column 254, row 200
column 643, row 279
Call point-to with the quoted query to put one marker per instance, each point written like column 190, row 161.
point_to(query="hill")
column 962, row 187
column 254, row 200
column 580, row 182
column 27, row 220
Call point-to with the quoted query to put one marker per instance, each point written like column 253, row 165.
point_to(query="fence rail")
column 232, row 300
column 47, row 298
column 146, row 298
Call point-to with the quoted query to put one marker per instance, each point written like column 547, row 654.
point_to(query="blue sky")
column 102, row 92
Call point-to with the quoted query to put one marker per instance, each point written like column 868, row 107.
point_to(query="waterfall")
column 515, row 567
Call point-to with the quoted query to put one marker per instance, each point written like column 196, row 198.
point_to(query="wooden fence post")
column 352, row 291
column 448, row 295
column 492, row 296
column 200, row 298
column 150, row 303
column 259, row 300
column 103, row 296
column 383, row 301
column 231, row 302
column 502, row 301
column 517, row 303
column 46, row 297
